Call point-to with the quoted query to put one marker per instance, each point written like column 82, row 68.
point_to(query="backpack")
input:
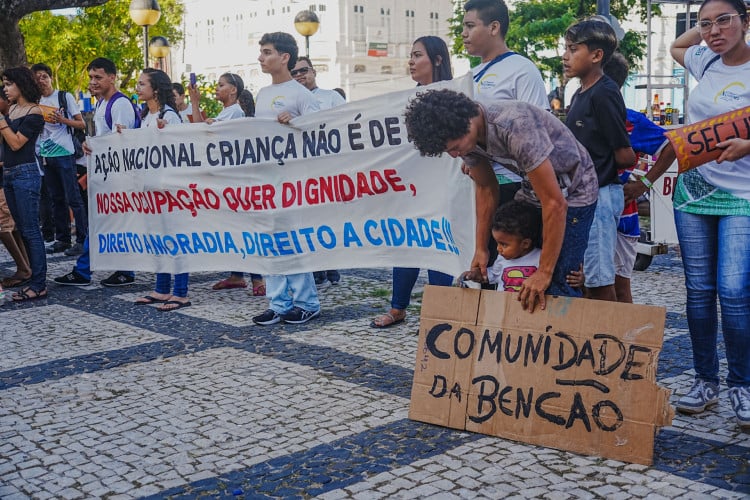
column 108, row 110
column 78, row 136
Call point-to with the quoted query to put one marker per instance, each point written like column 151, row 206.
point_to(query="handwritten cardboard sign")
column 578, row 376
column 696, row 144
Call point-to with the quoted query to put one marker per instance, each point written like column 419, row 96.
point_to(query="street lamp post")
column 158, row 47
column 145, row 13
column 306, row 23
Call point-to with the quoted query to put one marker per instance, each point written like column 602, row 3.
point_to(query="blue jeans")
column 404, row 279
column 180, row 284
column 577, row 226
column 716, row 258
column 62, row 183
column 302, row 288
column 22, row 184
column 83, row 263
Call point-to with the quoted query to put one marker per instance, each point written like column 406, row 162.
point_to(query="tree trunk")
column 12, row 49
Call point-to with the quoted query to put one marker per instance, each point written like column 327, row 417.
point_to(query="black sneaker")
column 269, row 317
column 118, row 278
column 297, row 316
column 333, row 276
column 73, row 279
column 57, row 247
column 74, row 251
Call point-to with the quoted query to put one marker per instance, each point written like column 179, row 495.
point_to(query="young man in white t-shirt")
column 102, row 77
column 283, row 100
column 56, row 150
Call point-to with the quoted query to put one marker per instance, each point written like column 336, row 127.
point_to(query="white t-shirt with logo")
column 55, row 140
column 509, row 274
column 721, row 89
column 290, row 96
column 513, row 78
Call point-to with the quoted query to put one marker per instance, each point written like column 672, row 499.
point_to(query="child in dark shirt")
column 597, row 119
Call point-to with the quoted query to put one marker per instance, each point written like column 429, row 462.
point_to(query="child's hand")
column 576, row 279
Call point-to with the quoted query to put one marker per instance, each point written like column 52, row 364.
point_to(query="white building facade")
column 223, row 35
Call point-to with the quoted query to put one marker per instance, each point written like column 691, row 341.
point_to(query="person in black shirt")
column 597, row 119
column 22, row 178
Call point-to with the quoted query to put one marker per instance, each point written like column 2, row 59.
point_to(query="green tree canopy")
column 68, row 44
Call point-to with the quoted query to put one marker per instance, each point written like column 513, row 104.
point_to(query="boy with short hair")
column 597, row 119
column 283, row 100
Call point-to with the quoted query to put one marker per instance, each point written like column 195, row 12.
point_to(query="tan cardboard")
column 578, row 376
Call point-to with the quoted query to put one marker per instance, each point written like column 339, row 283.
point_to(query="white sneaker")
column 740, row 399
column 702, row 395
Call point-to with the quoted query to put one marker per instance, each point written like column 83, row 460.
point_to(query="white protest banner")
column 337, row 189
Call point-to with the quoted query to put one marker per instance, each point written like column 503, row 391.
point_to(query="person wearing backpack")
column 58, row 149
column 113, row 111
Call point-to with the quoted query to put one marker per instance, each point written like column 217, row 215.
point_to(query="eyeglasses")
column 301, row 71
column 721, row 22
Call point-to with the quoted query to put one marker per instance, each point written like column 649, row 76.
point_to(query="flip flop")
column 23, row 295
column 226, row 284
column 393, row 321
column 177, row 303
column 149, row 299
column 259, row 291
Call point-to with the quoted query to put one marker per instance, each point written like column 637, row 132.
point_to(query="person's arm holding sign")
column 554, row 209
column 487, row 195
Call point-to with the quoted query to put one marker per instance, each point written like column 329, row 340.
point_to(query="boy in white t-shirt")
column 283, row 100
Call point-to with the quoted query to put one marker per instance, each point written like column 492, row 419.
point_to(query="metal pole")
column 145, row 45
column 649, row 112
column 307, row 45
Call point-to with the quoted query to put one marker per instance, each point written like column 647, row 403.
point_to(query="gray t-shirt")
column 521, row 136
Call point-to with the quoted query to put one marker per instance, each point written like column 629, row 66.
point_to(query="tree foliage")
column 12, row 52
column 67, row 45
column 537, row 28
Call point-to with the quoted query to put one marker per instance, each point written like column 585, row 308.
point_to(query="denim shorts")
column 599, row 260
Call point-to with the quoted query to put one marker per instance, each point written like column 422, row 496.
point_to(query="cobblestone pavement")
column 103, row 399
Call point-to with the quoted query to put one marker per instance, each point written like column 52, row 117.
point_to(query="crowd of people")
column 554, row 201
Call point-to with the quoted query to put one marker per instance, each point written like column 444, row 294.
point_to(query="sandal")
column 173, row 305
column 147, row 300
column 387, row 320
column 259, row 291
column 228, row 284
column 25, row 295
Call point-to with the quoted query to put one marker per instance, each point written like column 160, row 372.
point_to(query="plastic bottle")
column 656, row 110
column 668, row 114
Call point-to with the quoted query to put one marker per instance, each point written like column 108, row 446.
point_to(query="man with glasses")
column 305, row 74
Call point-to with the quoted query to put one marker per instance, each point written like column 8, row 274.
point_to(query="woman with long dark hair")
column 712, row 210
column 429, row 62
column 238, row 102
column 155, row 89
column 22, row 178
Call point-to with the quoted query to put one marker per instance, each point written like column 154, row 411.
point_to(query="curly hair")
column 163, row 91
column 25, row 81
column 519, row 219
column 435, row 117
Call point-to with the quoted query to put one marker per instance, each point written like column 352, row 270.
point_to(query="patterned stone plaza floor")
column 103, row 399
